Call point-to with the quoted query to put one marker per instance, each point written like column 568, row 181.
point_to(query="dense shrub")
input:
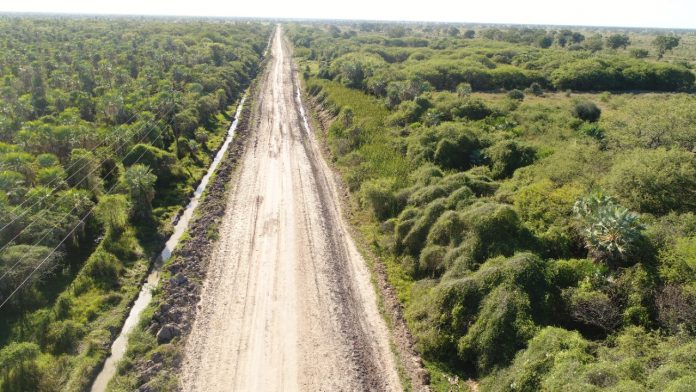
column 472, row 300
column 600, row 74
column 676, row 309
column 63, row 336
column 455, row 154
column 472, row 109
column 500, row 329
column 414, row 239
column 497, row 227
column 517, row 95
column 678, row 261
column 19, row 368
column 542, row 204
column 549, row 348
column 655, row 181
column 507, row 156
column 593, row 308
column 161, row 162
column 445, row 315
column 569, row 273
column 104, row 267
column 587, row 111
column 379, row 196
column 432, row 260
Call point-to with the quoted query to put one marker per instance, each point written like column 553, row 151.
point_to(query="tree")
column 83, row 170
column 616, row 41
column 469, row 34
column 545, row 41
column 594, row 43
column 663, row 43
column 577, row 38
column 38, row 92
column 141, row 184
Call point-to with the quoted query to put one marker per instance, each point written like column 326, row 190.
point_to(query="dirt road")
column 288, row 304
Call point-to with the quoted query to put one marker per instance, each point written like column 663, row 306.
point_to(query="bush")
column 161, row 162
column 447, row 230
column 549, row 347
column 507, row 156
column 587, row 111
column 517, row 95
column 656, row 181
column 501, row 328
column 442, row 314
column 104, row 267
column 497, row 229
column 542, row 204
column 569, row 273
column 63, row 336
column 678, row 261
column 472, row 109
column 455, row 154
column 593, row 308
column 639, row 53
column 431, row 260
column 592, row 130
column 414, row 240
column 536, row 89
column 676, row 309
column 379, row 196
column 18, row 367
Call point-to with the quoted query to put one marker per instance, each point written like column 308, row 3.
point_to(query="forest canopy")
column 106, row 125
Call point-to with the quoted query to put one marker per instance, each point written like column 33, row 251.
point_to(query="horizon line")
column 327, row 19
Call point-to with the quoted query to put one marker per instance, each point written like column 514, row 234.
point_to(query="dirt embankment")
column 176, row 304
column 404, row 343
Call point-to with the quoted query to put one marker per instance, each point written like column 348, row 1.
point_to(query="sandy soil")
column 288, row 303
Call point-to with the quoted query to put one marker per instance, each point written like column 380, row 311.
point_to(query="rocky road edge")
column 175, row 304
column 404, row 344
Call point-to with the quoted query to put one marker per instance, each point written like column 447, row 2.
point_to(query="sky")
column 624, row 13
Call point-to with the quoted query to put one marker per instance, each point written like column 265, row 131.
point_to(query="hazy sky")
column 653, row 13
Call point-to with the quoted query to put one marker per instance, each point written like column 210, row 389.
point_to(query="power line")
column 44, row 210
column 68, row 178
column 82, row 221
column 71, row 165
column 73, row 209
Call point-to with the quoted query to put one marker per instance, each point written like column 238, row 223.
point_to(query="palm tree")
column 141, row 184
column 609, row 230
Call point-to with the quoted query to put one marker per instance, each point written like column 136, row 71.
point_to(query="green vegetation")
column 539, row 239
column 106, row 126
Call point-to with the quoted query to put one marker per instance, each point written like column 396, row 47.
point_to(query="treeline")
column 375, row 64
column 537, row 243
column 106, row 125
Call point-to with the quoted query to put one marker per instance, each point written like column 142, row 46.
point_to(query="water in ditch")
column 118, row 348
